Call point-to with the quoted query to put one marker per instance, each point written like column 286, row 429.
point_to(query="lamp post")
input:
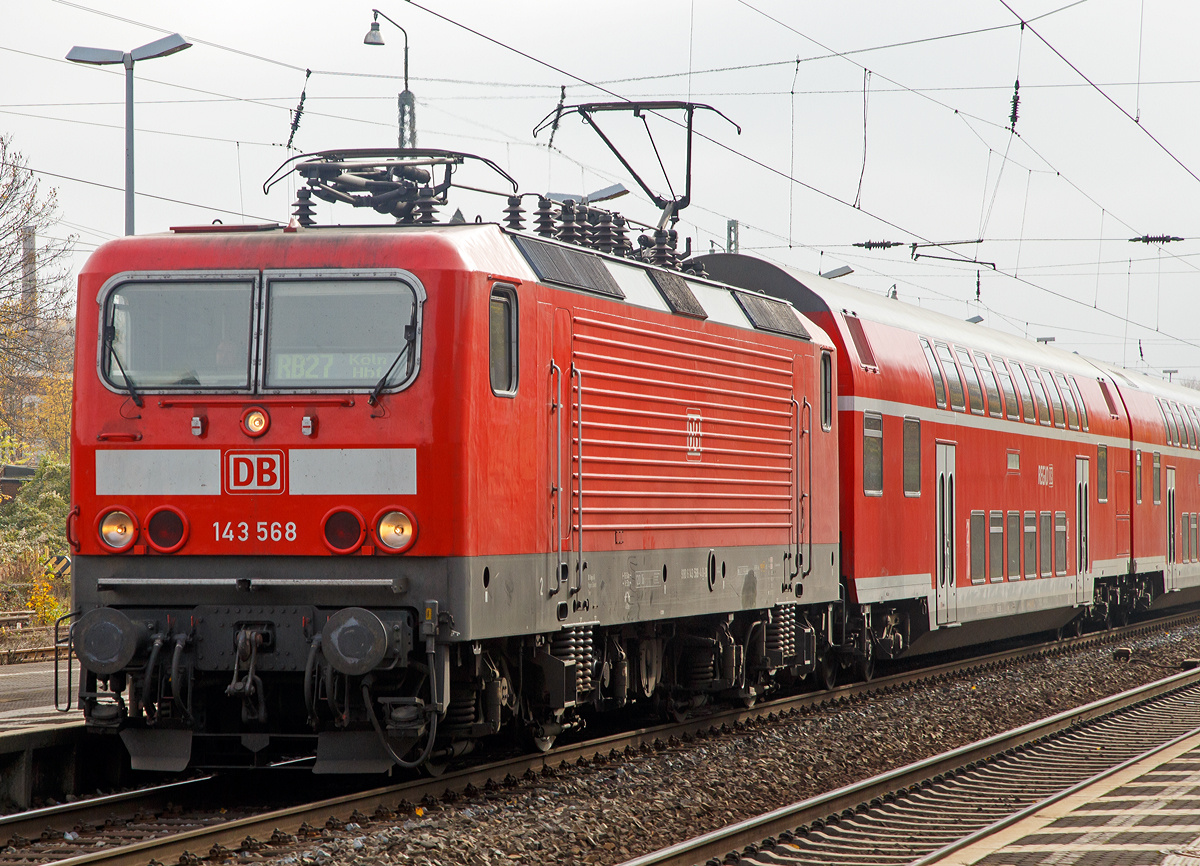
column 1170, row 374
column 406, row 102
column 104, row 57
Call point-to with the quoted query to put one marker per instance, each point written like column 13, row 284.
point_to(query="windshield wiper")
column 410, row 334
column 110, row 334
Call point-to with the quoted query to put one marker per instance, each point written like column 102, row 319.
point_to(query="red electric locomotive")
column 372, row 493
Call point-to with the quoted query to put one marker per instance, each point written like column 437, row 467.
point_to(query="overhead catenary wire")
column 875, row 89
column 1136, row 121
column 122, row 189
column 751, row 159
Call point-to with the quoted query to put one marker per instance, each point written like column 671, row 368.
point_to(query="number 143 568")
column 263, row 531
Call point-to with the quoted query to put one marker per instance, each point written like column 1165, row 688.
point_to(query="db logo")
column 254, row 472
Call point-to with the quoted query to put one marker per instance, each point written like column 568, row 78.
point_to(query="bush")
column 32, row 532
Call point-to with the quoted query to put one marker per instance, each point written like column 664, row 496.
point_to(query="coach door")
column 1172, row 528
column 947, row 591
column 1083, row 528
column 565, row 493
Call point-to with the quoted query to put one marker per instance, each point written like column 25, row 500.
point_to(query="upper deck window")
column 989, row 385
column 1055, row 400
column 954, row 385
column 1026, row 394
column 178, row 334
column 1012, row 406
column 974, row 392
column 337, row 332
column 939, row 389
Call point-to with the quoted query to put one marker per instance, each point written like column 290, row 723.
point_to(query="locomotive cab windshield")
column 323, row 331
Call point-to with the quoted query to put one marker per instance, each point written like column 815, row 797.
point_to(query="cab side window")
column 502, row 340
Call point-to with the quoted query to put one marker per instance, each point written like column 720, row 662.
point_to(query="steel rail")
column 851, row 797
column 232, row 833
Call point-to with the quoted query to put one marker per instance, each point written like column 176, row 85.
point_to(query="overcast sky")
column 1055, row 204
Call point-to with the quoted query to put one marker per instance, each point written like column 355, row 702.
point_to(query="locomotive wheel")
column 827, row 669
column 864, row 665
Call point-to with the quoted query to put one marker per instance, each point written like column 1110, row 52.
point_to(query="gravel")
column 604, row 813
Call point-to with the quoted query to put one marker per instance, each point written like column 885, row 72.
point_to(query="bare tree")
column 36, row 329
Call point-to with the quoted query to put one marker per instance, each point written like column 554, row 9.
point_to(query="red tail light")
column 344, row 530
column 166, row 529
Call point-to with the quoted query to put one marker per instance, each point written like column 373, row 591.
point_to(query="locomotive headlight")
column 396, row 530
column 118, row 529
column 255, row 422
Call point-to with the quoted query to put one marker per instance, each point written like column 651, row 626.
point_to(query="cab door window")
column 502, row 340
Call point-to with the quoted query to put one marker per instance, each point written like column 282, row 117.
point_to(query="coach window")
column 1168, row 423
column 1014, row 545
column 912, row 457
column 995, row 408
column 1191, row 415
column 1026, row 396
column 1061, row 566
column 1189, row 435
column 1030, row 544
column 1137, row 482
column 953, row 382
column 1039, row 396
column 939, row 389
column 996, row 546
column 978, row 546
column 1046, row 544
column 974, row 392
column 1055, row 400
column 1012, row 406
column 1079, row 402
column 1184, row 550
column 1102, row 473
column 1156, row 479
column 872, row 454
column 1195, row 531
column 502, row 340
column 1068, row 401
column 826, row 391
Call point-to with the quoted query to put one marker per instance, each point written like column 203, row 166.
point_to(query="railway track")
column 164, row 823
column 919, row 813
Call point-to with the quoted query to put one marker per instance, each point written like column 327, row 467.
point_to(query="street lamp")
column 1045, row 339
column 406, row 102
column 1170, row 374
column 104, row 57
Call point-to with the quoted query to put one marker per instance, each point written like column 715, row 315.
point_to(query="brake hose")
column 433, row 721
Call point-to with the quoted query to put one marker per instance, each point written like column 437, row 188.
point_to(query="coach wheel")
column 827, row 669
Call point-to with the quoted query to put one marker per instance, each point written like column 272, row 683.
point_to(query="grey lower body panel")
column 486, row 596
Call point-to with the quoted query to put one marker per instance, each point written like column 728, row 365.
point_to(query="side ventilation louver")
column 678, row 294
column 768, row 314
column 568, row 267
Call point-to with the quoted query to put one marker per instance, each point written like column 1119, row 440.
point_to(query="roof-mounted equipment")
column 403, row 183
